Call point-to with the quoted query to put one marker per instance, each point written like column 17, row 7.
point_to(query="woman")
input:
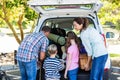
column 72, row 49
column 94, row 45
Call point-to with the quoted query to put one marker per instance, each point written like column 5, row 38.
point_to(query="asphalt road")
column 114, row 76
column 15, row 75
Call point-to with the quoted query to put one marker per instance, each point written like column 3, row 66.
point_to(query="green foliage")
column 14, row 9
column 112, row 1
column 24, row 23
column 14, row 22
column 30, row 14
column 0, row 6
column 114, row 55
column 118, row 24
column 2, row 23
column 110, row 12
column 15, row 3
column 9, row 4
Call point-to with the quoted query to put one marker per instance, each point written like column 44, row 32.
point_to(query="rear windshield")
column 63, row 23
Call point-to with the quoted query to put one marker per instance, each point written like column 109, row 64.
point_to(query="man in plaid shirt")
column 27, row 54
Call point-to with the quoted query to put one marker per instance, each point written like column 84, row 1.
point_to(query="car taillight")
column 106, row 69
column 104, row 40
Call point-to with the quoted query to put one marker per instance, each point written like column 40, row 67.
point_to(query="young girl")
column 72, row 49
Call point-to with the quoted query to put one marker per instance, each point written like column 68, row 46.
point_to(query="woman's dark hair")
column 83, row 21
column 46, row 29
column 72, row 35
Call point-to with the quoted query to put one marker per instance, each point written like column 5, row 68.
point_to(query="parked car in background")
column 112, row 35
column 59, row 15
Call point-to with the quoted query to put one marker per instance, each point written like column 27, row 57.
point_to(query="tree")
column 16, row 13
column 110, row 12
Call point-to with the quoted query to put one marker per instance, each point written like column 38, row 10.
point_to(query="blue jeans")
column 72, row 74
column 97, row 69
column 28, row 70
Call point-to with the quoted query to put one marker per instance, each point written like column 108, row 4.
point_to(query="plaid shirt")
column 31, row 47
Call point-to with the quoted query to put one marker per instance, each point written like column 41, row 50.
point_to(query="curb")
column 8, row 67
column 115, row 70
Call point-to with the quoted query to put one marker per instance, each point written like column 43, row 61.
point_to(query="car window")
column 110, row 35
column 55, row 7
column 63, row 23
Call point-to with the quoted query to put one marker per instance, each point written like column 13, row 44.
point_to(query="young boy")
column 52, row 65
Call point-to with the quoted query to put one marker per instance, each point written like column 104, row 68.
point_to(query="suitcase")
column 83, row 75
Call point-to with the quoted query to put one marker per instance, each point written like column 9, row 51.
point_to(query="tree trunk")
column 5, row 18
column 20, row 26
column 13, row 30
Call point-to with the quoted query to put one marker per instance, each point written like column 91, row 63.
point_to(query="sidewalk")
column 114, row 48
column 8, row 67
column 13, row 72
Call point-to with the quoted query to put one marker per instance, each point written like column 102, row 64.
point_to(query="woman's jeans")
column 72, row 74
column 28, row 70
column 97, row 69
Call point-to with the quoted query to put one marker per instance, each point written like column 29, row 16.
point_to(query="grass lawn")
column 114, row 55
column 115, row 59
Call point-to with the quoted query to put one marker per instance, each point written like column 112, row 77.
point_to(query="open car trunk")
column 59, row 15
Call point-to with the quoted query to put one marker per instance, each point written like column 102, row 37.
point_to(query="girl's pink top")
column 74, row 51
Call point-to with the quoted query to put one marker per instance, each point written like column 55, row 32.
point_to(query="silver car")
column 59, row 14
